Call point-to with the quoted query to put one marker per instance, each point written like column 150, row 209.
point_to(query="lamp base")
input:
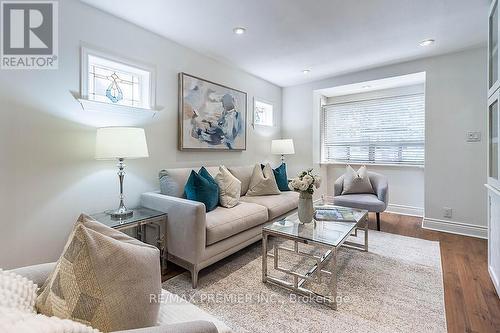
column 121, row 214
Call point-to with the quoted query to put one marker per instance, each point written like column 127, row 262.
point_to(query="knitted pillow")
column 17, row 292
column 15, row 320
column 17, row 309
column 103, row 279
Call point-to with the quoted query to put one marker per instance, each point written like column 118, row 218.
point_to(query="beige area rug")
column 396, row 287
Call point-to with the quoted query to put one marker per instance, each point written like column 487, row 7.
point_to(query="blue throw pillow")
column 281, row 177
column 202, row 187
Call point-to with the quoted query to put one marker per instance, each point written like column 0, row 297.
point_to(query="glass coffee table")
column 330, row 230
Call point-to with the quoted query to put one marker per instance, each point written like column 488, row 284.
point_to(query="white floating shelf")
column 116, row 109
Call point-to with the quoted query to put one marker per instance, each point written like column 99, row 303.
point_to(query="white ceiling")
column 327, row 36
column 368, row 86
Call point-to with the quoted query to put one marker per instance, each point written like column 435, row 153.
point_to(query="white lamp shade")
column 282, row 147
column 120, row 142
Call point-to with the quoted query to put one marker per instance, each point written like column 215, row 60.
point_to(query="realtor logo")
column 29, row 35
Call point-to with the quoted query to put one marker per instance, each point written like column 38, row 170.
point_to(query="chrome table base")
column 316, row 272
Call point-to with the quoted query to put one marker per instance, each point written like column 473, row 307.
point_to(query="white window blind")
column 388, row 130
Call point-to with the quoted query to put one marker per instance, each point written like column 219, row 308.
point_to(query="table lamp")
column 121, row 143
column 282, row 147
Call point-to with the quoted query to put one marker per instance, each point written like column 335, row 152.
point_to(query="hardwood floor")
column 472, row 304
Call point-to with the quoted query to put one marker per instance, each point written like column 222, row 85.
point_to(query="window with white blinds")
column 388, row 130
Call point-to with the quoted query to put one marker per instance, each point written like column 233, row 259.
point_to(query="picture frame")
column 212, row 116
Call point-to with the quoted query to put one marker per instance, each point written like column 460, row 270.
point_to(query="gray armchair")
column 375, row 203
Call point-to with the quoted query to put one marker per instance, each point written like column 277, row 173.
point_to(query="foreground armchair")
column 376, row 203
column 200, row 321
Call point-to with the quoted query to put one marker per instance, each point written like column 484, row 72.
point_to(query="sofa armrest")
column 338, row 186
column 186, row 224
column 36, row 273
column 188, row 327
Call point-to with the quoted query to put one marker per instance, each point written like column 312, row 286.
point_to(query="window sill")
column 375, row 164
column 263, row 125
column 116, row 109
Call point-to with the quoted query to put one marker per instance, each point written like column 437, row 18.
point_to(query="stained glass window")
column 117, row 83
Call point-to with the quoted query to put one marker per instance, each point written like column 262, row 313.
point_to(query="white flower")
column 317, row 181
column 303, row 186
column 308, row 179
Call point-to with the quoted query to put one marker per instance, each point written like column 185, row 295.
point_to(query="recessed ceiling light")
column 306, row 71
column 366, row 86
column 427, row 42
column 239, row 30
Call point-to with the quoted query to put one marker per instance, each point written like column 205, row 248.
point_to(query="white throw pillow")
column 357, row 182
column 263, row 181
column 17, row 309
column 229, row 188
column 15, row 320
column 17, row 292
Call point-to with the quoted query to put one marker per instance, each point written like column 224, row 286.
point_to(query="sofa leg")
column 194, row 277
column 378, row 221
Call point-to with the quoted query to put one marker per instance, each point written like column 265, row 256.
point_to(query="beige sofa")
column 196, row 239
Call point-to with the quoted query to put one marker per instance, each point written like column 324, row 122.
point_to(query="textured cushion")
column 173, row 181
column 226, row 222
column 281, row 178
column 169, row 185
column 229, row 188
column 277, row 205
column 17, row 292
column 369, row 202
column 357, row 182
column 201, row 187
column 103, row 279
column 262, row 181
column 244, row 174
column 15, row 320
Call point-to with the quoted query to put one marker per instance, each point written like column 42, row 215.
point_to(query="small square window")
column 263, row 113
column 107, row 79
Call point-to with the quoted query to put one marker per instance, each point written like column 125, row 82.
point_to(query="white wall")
column 455, row 102
column 47, row 171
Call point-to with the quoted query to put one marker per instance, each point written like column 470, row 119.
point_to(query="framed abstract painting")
column 211, row 116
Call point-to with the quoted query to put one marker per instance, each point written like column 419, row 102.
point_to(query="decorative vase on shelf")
column 306, row 208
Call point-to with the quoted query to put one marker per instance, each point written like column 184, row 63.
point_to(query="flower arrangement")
column 306, row 182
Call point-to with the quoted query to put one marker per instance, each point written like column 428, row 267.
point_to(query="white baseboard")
column 454, row 227
column 494, row 279
column 405, row 210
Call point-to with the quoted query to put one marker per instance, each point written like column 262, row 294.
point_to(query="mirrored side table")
column 143, row 221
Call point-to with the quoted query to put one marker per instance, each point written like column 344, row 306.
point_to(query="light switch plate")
column 447, row 212
column 473, row 136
